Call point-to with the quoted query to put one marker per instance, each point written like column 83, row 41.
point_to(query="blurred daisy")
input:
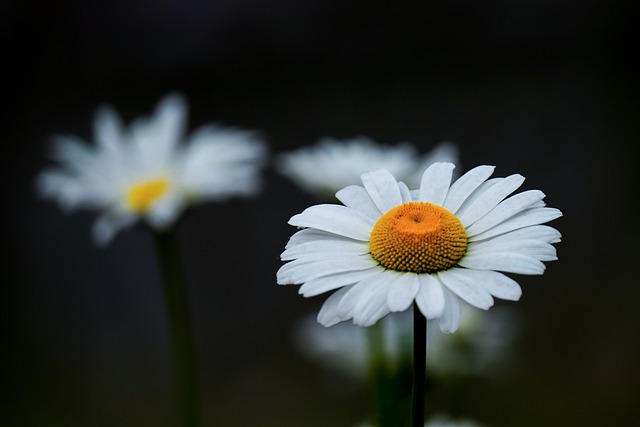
column 441, row 421
column 444, row 421
column 333, row 164
column 146, row 172
column 388, row 247
column 481, row 346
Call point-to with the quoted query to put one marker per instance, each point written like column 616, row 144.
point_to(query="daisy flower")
column 442, row 244
column 145, row 172
column 333, row 164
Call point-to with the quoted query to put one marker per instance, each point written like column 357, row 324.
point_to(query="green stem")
column 379, row 375
column 182, row 346
column 419, row 367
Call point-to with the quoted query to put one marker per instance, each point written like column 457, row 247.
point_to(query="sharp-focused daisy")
column 332, row 164
column 388, row 247
column 146, row 172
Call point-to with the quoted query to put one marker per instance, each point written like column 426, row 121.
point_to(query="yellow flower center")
column 419, row 237
column 141, row 196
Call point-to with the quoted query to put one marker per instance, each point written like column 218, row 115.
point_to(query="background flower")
column 482, row 345
column 147, row 172
column 332, row 164
column 441, row 421
column 444, row 421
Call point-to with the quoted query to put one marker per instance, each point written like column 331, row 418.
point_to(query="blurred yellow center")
column 141, row 196
column 419, row 237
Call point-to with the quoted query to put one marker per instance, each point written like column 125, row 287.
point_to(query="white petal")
column 69, row 191
column 526, row 218
column 73, row 154
column 220, row 162
column 503, row 261
column 506, row 209
column 335, row 219
column 403, row 290
column 328, row 283
column 157, row 137
column 170, row 119
column 541, row 233
column 497, row 284
column 477, row 194
column 372, row 304
column 303, row 270
column 538, row 249
column 452, row 314
column 490, row 198
column 321, row 248
column 357, row 198
column 466, row 289
column 465, row 185
column 543, row 253
column 328, row 314
column 164, row 212
column 430, row 297
column 383, row 189
column 107, row 225
column 405, row 192
column 373, row 313
column 108, row 129
column 435, row 183
column 311, row 235
column 348, row 303
column 214, row 144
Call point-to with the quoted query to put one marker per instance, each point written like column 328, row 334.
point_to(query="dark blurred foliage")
column 544, row 88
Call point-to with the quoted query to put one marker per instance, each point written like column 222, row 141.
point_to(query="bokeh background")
column 545, row 88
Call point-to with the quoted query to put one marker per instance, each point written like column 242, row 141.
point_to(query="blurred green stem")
column 380, row 377
column 419, row 367
column 182, row 346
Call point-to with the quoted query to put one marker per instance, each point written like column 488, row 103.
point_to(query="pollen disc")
column 141, row 196
column 419, row 237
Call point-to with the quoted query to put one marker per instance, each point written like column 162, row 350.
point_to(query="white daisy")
column 333, row 164
column 146, row 172
column 386, row 248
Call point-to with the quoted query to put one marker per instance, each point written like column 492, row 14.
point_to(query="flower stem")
column 182, row 346
column 380, row 378
column 419, row 367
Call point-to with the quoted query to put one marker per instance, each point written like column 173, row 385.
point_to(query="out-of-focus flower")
column 388, row 247
column 444, row 421
column 333, row 164
column 441, row 421
column 342, row 348
column 146, row 172
column 481, row 346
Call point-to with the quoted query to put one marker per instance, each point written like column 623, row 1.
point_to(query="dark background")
column 544, row 88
